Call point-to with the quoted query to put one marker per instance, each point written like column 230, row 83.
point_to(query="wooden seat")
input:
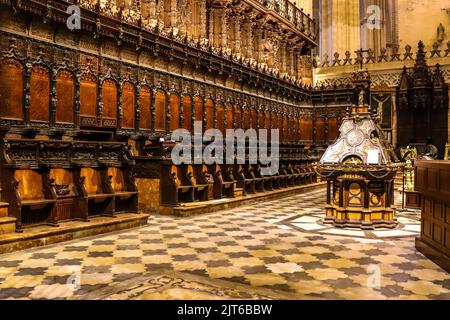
column 201, row 181
column 32, row 197
column 243, row 181
column 251, row 173
column 224, row 184
column 269, row 180
column 67, row 195
column 124, row 188
column 290, row 175
column 97, row 191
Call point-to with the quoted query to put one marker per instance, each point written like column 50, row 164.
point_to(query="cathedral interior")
column 350, row 96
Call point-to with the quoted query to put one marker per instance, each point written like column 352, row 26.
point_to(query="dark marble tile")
column 128, row 247
column 125, row 276
column 187, row 257
column 68, row 262
column 43, row 255
column 75, row 248
column 15, row 293
column 218, row 263
column 239, row 254
column 31, row 271
column 178, row 245
column 158, row 266
column 96, row 254
column 103, row 242
column 96, row 269
column 206, row 250
column 154, row 252
column 152, row 241
column 10, row 264
column 255, row 269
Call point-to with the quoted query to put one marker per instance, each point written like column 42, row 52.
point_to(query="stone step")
column 238, row 192
column 4, row 209
column 7, row 225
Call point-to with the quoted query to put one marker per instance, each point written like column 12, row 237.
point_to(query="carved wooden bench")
column 124, row 188
column 247, row 184
column 97, row 192
column 200, row 180
column 32, row 197
column 224, row 183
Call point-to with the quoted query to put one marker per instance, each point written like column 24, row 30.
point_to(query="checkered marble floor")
column 246, row 252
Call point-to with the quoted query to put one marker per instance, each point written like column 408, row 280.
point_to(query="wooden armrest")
column 100, row 196
column 37, row 202
column 125, row 193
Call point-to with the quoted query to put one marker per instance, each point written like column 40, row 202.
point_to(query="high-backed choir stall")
column 86, row 116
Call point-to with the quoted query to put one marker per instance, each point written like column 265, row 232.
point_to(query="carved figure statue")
column 380, row 106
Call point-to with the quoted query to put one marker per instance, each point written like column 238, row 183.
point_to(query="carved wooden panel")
column 230, row 115
column 320, row 130
column 11, row 89
column 246, row 118
column 93, row 181
column 306, row 129
column 145, row 112
column 238, row 116
column 254, row 118
column 267, row 122
column 88, row 96
column 285, row 128
column 174, row 111
column 118, row 178
column 30, row 184
column 333, row 129
column 209, row 105
column 261, row 120
column 187, row 111
column 198, row 108
column 65, row 92
column 432, row 180
column 160, row 110
column 110, row 98
column 128, row 103
column 274, row 121
column 220, row 116
column 40, row 94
